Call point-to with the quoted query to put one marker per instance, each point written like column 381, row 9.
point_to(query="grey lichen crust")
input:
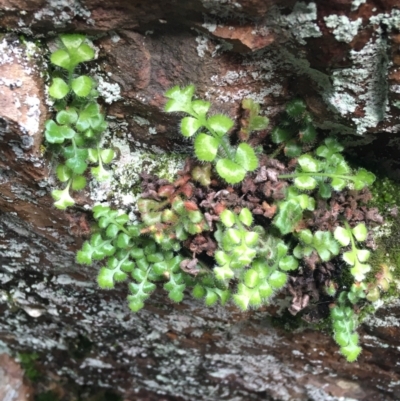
column 62, row 12
column 361, row 86
column 343, row 28
column 124, row 187
column 367, row 79
column 48, row 311
column 301, row 22
column 12, row 52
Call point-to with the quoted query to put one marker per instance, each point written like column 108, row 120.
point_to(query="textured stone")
column 12, row 386
column 270, row 51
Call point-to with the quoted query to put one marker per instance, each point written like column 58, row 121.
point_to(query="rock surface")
column 12, row 387
column 342, row 57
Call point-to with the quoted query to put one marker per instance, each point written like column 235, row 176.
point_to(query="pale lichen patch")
column 22, row 98
column 392, row 20
column 232, row 86
column 344, row 29
column 31, row 125
column 110, row 92
column 202, row 45
column 62, row 12
column 124, row 186
column 301, row 22
column 356, row 4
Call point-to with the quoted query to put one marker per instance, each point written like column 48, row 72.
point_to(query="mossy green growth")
column 27, row 361
column 385, row 261
column 384, row 277
column 385, row 194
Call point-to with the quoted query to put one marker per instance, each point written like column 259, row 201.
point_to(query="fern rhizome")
column 271, row 221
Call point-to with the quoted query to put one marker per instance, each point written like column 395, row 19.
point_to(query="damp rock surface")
column 341, row 57
column 12, row 386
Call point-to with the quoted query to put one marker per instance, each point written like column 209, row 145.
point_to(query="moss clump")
column 385, row 194
column 47, row 396
column 385, row 261
column 27, row 361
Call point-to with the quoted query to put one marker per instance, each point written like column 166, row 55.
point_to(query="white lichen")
column 62, row 12
column 231, row 86
column 356, row 4
column 95, row 363
column 301, row 22
column 115, row 38
column 124, row 186
column 202, row 46
column 211, row 27
column 343, row 103
column 344, row 29
column 31, row 124
column 141, row 121
column 110, row 92
column 392, row 20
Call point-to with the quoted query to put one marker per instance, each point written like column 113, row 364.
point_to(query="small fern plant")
column 343, row 316
column 295, row 129
column 129, row 255
column 75, row 133
column 244, row 256
column 211, row 143
column 253, row 260
column 326, row 173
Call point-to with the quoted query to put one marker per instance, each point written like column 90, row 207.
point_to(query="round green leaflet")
column 82, row 85
column 246, row 158
column 58, row 89
column 231, row 172
column 61, row 58
column 206, row 147
column 189, row 126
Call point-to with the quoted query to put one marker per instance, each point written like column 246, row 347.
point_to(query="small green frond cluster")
column 181, row 219
column 211, row 290
column 28, row 363
column 321, row 242
column 258, row 233
column 343, row 317
column 252, row 120
column 295, row 129
column 356, row 258
column 328, row 172
column 129, row 255
column 265, row 277
column 345, row 321
column 211, row 143
column 244, row 256
column 384, row 279
column 291, row 210
column 79, row 124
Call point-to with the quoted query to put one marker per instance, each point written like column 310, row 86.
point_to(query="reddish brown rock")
column 276, row 50
column 12, row 386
